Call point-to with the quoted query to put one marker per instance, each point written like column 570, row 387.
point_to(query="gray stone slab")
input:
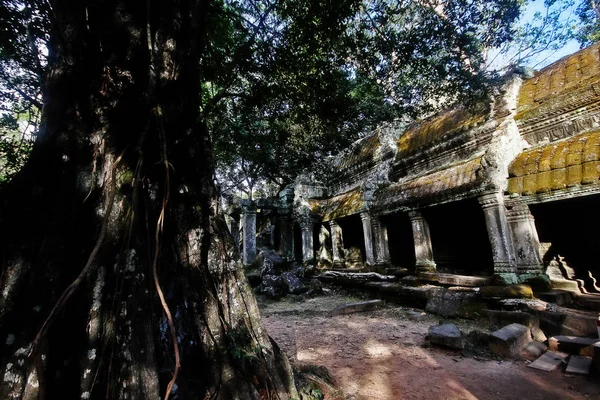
column 573, row 344
column 549, row 361
column 357, row 307
column 510, row 340
column 579, row 365
column 446, row 335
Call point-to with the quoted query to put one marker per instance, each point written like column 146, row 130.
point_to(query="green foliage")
column 16, row 139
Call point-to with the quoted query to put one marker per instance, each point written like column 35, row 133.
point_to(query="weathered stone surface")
column 272, row 286
column 560, row 297
column 450, row 303
column 269, row 262
column 446, row 335
column 293, row 284
column 549, row 361
column 579, row 365
column 512, row 291
column 533, row 350
column 400, row 294
column 451, row 279
column 564, row 321
column 500, row 318
column 357, row 307
column 573, row 345
column 510, row 340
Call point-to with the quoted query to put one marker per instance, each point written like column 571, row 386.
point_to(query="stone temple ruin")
column 501, row 193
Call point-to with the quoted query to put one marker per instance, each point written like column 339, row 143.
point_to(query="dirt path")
column 383, row 355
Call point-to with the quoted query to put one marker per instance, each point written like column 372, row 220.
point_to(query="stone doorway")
column 354, row 241
column 569, row 228
column 400, row 240
column 460, row 239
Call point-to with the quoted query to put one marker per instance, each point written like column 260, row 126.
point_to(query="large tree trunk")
column 112, row 243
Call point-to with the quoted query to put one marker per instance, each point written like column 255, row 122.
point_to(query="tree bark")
column 118, row 271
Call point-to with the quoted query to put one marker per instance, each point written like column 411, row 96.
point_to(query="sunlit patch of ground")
column 383, row 355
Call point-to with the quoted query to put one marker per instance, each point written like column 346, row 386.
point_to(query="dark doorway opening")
column 459, row 238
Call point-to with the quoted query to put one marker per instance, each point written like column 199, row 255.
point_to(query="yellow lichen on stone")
column 574, row 175
column 546, row 158
column 574, row 156
column 342, row 205
column 559, row 158
column 433, row 129
column 543, row 182
column 555, row 166
column 591, row 150
column 364, row 151
column 554, row 82
column 591, row 172
column 559, row 178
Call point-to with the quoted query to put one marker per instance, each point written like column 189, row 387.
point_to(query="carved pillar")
column 368, row 235
column 525, row 241
column 422, row 238
column 499, row 236
column 337, row 244
column 286, row 230
column 380, row 238
column 249, row 232
column 308, row 252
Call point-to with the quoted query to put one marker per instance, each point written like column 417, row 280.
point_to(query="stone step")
column 573, row 345
column 590, row 301
column 361, row 306
column 455, row 280
column 549, row 361
column 560, row 297
column 565, row 321
column 579, row 365
column 510, row 340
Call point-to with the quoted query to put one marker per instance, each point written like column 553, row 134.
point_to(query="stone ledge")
column 455, row 280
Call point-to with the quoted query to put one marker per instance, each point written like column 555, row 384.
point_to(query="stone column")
column 380, row 238
column 337, row 244
column 499, row 236
column 368, row 235
column 422, row 238
column 308, row 252
column 286, row 230
column 525, row 241
column 249, row 232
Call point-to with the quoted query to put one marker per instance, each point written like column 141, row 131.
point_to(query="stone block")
column 560, row 297
column 449, row 303
column 573, row 345
column 564, row 321
column 511, row 291
column 447, row 335
column 357, row 307
column 510, row 340
column 579, row 365
column 549, row 361
column 417, row 316
column 293, row 283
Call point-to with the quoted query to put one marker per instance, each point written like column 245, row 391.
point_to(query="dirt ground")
column 384, row 355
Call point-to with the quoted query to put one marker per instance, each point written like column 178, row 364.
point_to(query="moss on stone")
column 512, row 291
column 431, row 130
column 568, row 163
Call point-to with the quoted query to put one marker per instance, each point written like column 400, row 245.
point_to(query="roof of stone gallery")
column 339, row 206
column 550, row 90
column 444, row 184
column 570, row 162
column 439, row 128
